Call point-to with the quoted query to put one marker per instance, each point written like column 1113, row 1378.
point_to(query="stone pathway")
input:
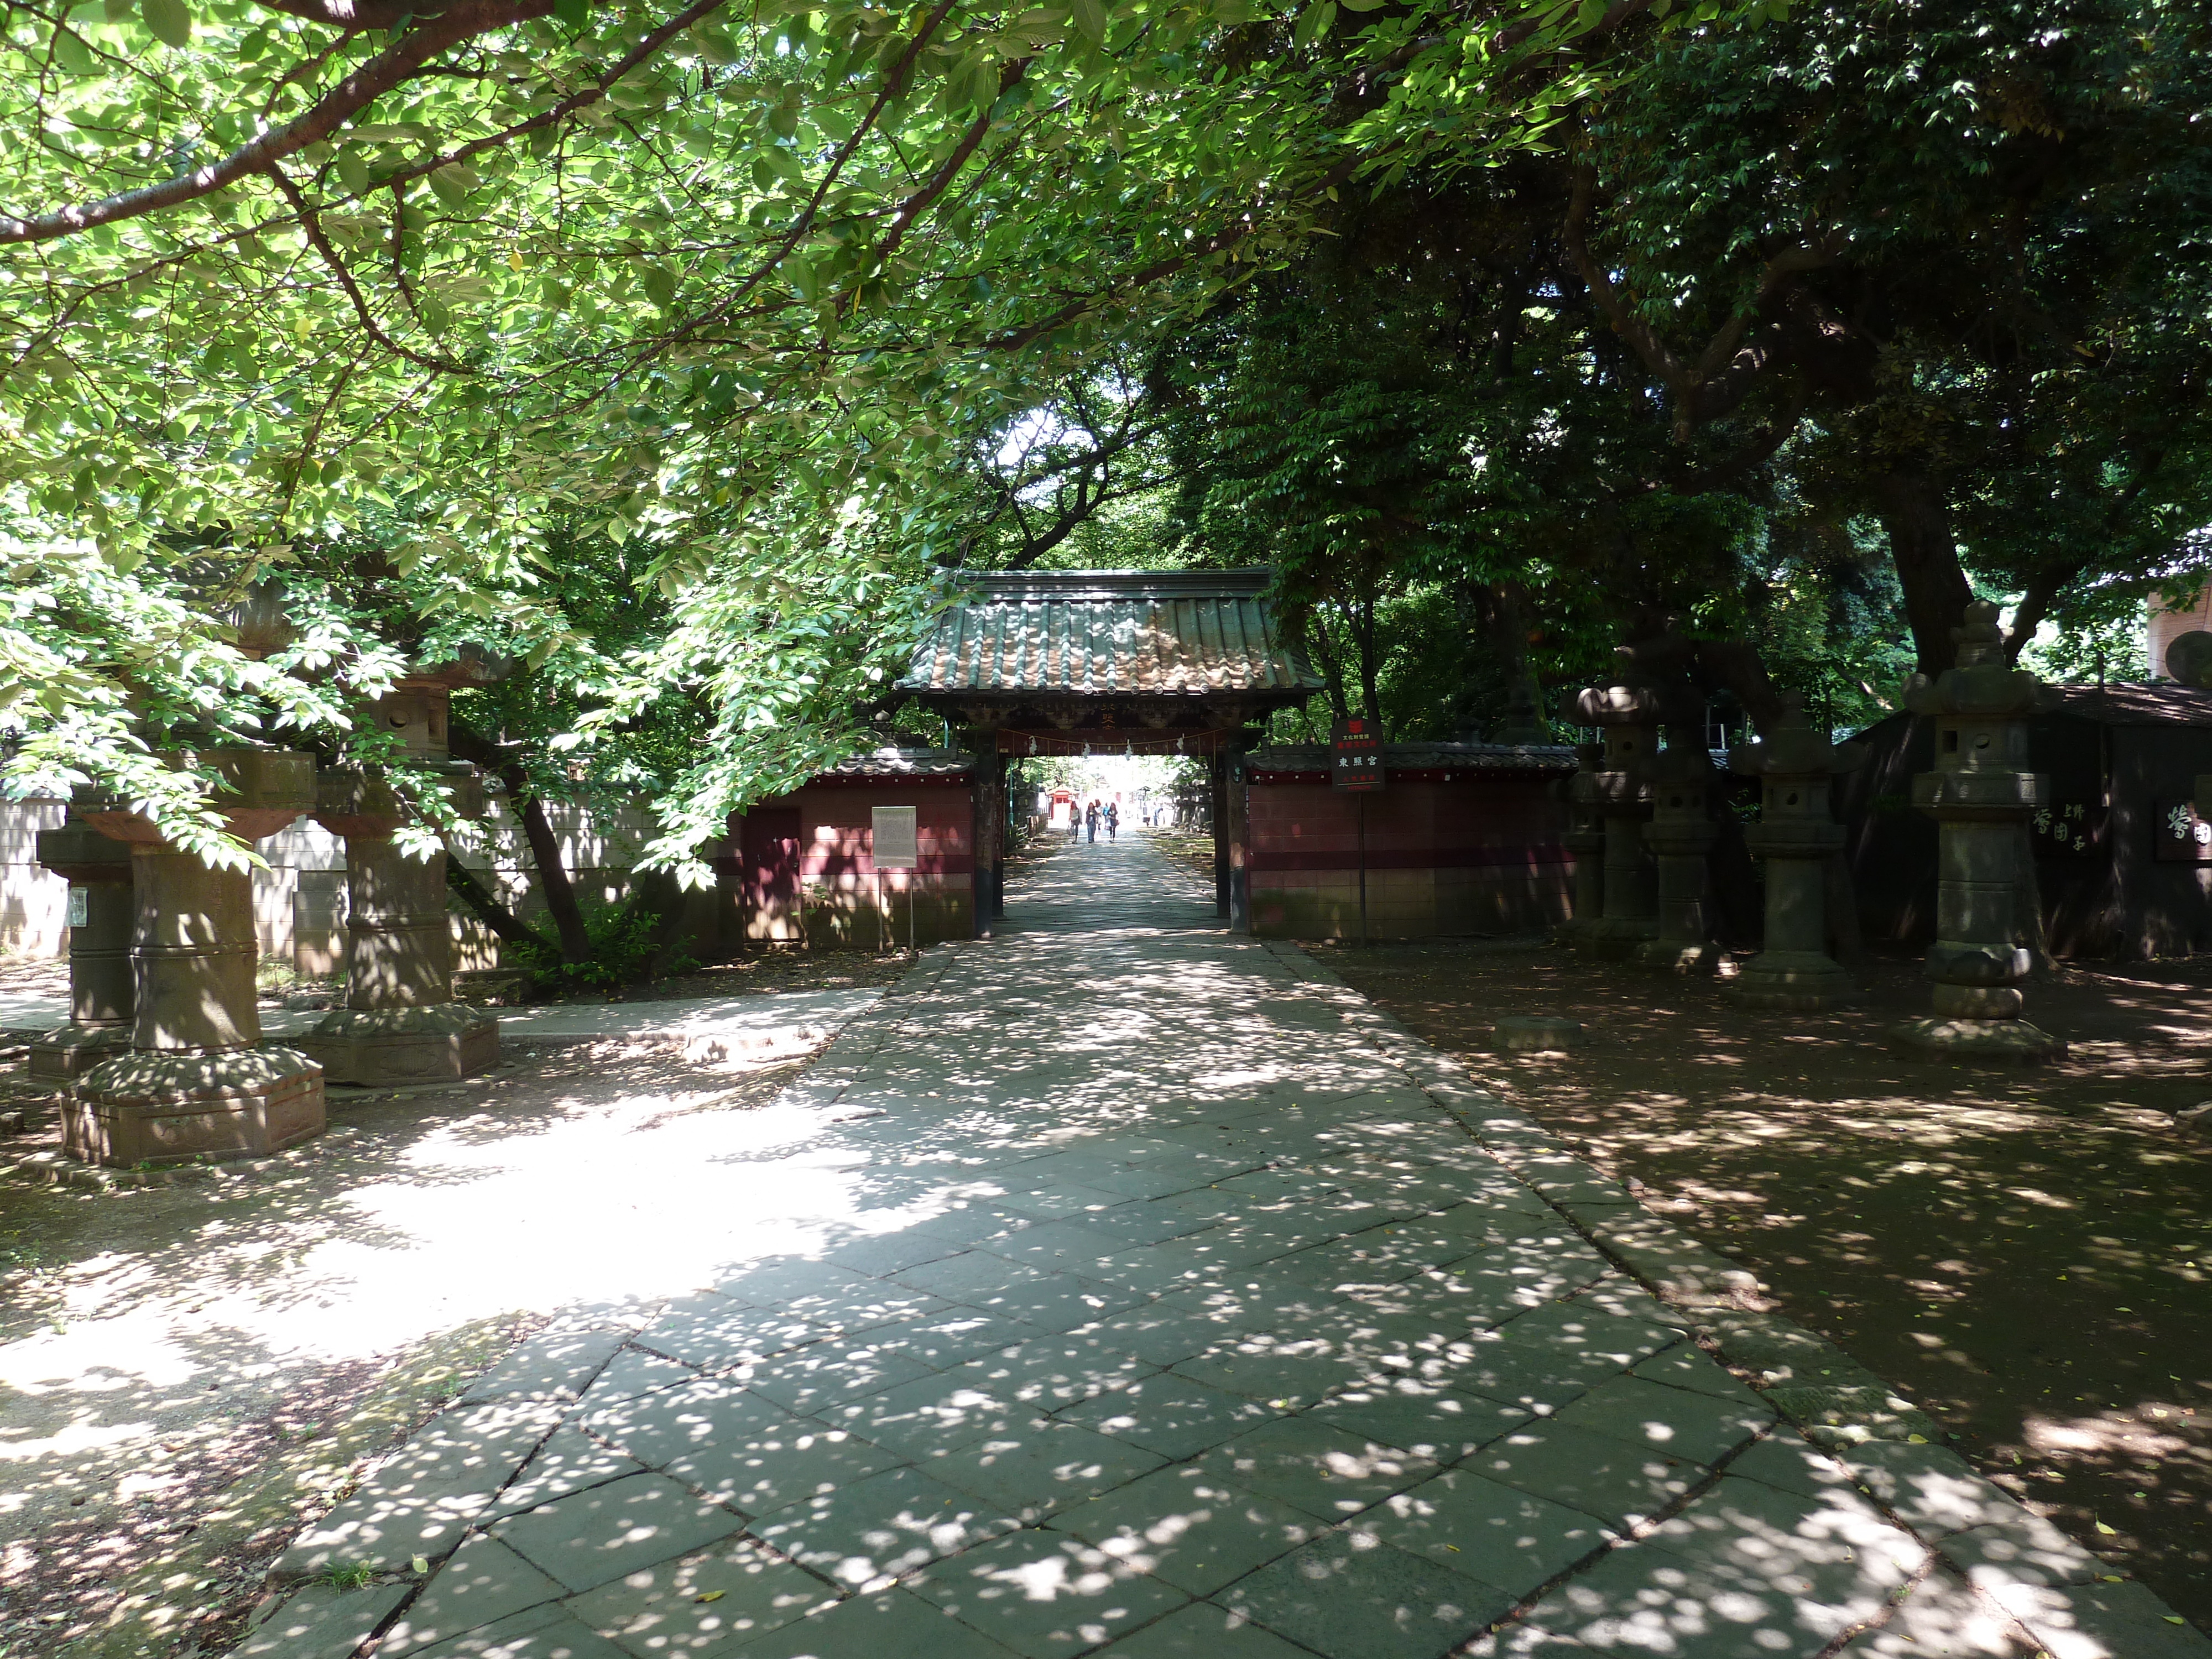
column 1164, row 1299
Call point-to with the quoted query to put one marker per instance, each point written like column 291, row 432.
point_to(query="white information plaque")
column 897, row 844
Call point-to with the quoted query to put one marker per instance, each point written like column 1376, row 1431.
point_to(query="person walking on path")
column 1091, row 819
column 1113, row 819
column 1074, row 823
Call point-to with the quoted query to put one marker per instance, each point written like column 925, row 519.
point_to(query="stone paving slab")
column 1169, row 1299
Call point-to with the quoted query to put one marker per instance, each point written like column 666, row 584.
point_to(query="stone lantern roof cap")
column 1795, row 750
column 467, row 668
column 1982, row 685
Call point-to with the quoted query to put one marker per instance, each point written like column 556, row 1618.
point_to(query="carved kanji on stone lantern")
column 1980, row 794
column 1796, row 835
column 400, row 1023
column 197, row 1081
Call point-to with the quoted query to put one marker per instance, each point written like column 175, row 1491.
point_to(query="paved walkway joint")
column 1175, row 1301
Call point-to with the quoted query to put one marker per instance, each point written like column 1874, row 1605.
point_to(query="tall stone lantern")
column 1680, row 835
column 1980, row 794
column 400, row 1023
column 1585, row 839
column 1796, row 835
column 1618, row 789
column 197, row 1081
column 98, row 870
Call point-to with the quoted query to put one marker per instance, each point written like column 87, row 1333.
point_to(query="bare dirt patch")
column 2027, row 1254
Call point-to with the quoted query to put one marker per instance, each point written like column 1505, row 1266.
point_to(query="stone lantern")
column 400, row 1023
column 1796, row 835
column 1981, row 793
column 1619, row 790
column 1585, row 839
column 98, row 870
column 197, row 1081
column 1680, row 833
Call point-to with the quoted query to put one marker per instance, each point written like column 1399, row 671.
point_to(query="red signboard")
column 1355, row 756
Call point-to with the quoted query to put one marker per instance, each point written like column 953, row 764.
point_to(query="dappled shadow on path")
column 2027, row 1254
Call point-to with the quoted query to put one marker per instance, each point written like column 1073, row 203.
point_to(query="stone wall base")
column 60, row 1057
column 440, row 1042
column 156, row 1108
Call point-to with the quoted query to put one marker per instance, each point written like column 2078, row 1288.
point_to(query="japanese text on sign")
column 1356, row 757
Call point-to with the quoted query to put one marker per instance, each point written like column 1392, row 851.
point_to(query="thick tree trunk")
column 1917, row 519
column 552, row 874
column 545, row 847
column 1332, row 669
column 510, row 928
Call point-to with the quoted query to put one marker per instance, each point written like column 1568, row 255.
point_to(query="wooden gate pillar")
column 1217, row 802
column 1238, row 839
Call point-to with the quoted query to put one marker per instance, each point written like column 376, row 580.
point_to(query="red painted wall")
column 1448, row 851
column 835, row 840
column 1458, row 821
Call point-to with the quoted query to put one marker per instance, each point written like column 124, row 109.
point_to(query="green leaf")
column 73, row 54
column 171, row 23
column 353, row 172
column 1313, row 23
column 1090, row 20
column 576, row 14
column 659, row 285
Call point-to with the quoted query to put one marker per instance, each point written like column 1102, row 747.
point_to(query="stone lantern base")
column 1995, row 1042
column 437, row 1042
column 1616, row 938
column 1795, row 981
column 60, row 1057
column 1669, row 956
column 147, row 1107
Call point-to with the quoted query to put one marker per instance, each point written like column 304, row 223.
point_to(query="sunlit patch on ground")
column 160, row 1345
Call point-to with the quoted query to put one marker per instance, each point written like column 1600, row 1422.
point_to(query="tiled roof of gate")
column 1123, row 632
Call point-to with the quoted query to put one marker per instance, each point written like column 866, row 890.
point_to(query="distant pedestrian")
column 1091, row 819
column 1113, row 819
column 1074, row 823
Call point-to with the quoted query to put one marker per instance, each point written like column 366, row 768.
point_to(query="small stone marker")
column 1537, row 1034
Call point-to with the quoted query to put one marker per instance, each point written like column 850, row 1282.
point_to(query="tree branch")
column 914, row 206
column 1639, row 334
column 311, row 221
column 350, row 14
column 391, row 68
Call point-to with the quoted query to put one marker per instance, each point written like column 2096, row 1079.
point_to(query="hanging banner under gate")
column 1103, row 741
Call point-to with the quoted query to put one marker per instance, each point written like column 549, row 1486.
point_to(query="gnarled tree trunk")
column 1918, row 520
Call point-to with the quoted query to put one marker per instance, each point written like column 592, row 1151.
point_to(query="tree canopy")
column 677, row 351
